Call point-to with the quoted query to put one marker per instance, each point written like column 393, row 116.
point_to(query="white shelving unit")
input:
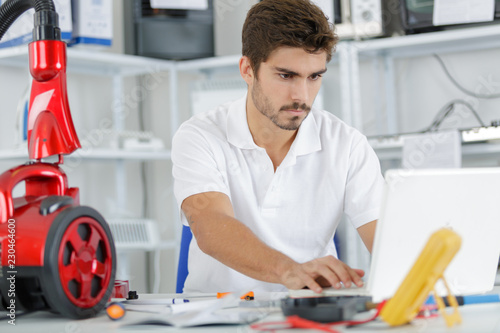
column 476, row 38
column 98, row 154
column 208, row 64
column 470, row 150
column 94, row 63
column 117, row 67
column 391, row 49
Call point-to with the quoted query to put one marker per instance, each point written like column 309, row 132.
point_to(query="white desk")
column 476, row 318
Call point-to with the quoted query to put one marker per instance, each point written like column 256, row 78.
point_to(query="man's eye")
column 285, row 76
column 315, row 77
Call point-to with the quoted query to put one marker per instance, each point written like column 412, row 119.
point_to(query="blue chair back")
column 182, row 267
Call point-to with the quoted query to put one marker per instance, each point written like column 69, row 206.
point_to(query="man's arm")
column 220, row 235
column 367, row 233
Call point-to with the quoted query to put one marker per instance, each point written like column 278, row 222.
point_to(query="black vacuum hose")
column 12, row 9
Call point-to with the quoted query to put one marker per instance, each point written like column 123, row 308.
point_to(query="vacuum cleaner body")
column 55, row 254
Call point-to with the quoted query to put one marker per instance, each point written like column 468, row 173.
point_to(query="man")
column 264, row 181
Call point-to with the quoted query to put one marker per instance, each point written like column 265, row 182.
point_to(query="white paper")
column 180, row 4
column 462, row 11
column 327, row 7
column 63, row 8
column 206, row 312
column 94, row 19
column 441, row 149
column 156, row 301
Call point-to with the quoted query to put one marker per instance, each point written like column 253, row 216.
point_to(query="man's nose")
column 299, row 91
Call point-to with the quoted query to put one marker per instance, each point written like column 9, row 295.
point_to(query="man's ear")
column 246, row 70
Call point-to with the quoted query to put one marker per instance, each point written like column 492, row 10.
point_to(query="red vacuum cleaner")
column 54, row 253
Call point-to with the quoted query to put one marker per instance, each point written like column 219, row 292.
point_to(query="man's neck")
column 266, row 134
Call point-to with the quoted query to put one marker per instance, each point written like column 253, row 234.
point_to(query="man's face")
column 287, row 84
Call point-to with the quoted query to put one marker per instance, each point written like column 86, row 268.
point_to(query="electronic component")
column 480, row 134
column 470, row 135
column 323, row 309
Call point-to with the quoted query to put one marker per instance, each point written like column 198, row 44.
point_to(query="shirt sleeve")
column 195, row 168
column 364, row 186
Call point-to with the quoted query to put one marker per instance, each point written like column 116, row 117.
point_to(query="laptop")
column 417, row 203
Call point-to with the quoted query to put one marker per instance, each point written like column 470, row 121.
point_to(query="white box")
column 92, row 22
column 21, row 31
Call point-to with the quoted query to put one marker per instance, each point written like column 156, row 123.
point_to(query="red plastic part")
column 90, row 262
column 41, row 179
column 50, row 127
column 121, row 289
column 31, row 228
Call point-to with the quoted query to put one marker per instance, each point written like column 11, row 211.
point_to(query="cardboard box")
column 92, row 22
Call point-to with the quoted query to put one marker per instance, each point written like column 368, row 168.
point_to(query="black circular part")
column 51, row 283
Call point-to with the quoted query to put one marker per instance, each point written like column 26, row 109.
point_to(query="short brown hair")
column 296, row 23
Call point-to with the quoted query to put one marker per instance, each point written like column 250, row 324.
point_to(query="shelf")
column 7, row 154
column 456, row 40
column 120, row 154
column 97, row 154
column 468, row 150
column 105, row 63
column 92, row 62
column 228, row 62
column 164, row 245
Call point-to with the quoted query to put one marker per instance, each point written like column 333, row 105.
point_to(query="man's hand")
column 322, row 272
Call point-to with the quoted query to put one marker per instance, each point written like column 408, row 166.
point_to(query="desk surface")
column 476, row 318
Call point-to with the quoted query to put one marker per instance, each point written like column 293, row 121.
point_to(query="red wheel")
column 84, row 262
column 79, row 268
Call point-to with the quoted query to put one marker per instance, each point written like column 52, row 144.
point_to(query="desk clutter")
column 451, row 245
column 259, row 311
column 415, row 298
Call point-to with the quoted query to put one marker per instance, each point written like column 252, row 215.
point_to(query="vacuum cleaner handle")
column 41, row 179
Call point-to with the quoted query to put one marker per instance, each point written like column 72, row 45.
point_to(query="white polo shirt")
column 329, row 170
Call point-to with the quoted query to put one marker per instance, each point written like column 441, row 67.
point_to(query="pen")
column 157, row 301
column 247, row 297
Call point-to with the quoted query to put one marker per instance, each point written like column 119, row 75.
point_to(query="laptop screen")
column 419, row 202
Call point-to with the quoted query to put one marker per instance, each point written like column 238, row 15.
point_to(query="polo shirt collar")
column 308, row 138
column 238, row 133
